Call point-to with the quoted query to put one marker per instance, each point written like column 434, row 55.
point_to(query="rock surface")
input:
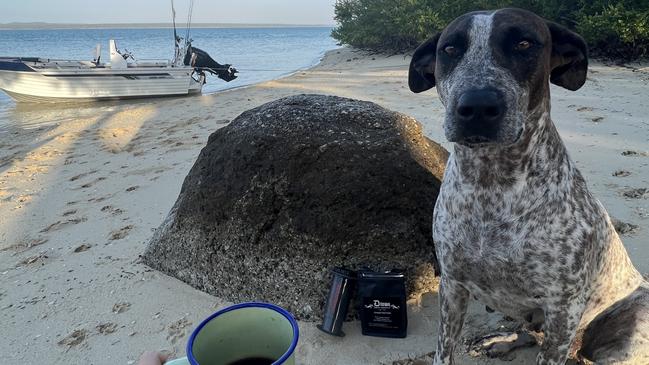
column 295, row 187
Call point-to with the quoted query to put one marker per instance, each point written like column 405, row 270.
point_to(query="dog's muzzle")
column 479, row 115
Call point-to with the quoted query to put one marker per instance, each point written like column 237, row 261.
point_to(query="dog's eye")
column 523, row 45
column 451, row 51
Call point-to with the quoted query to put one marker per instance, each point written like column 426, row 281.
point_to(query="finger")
column 164, row 355
column 149, row 358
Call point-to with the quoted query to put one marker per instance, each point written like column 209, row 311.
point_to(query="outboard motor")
column 202, row 61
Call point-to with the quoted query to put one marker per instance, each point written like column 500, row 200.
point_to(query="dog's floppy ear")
column 421, row 75
column 569, row 60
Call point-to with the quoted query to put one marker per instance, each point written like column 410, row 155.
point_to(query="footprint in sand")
column 639, row 193
column 585, row 109
column 82, row 248
column 634, row 153
column 177, row 330
column 33, row 260
column 106, row 328
column 90, row 184
column 100, row 199
column 421, row 360
column 60, row 224
column 110, row 209
column 69, row 213
column 25, row 245
column 77, row 177
column 75, row 338
column 621, row 173
column 597, row 119
column 120, row 233
column 121, row 307
column 24, row 198
column 132, row 188
column 624, row 228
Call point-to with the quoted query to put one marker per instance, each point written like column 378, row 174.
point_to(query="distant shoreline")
column 55, row 26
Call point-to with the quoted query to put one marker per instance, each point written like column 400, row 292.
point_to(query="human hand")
column 152, row 358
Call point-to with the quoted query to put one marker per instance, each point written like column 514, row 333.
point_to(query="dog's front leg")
column 453, row 300
column 559, row 330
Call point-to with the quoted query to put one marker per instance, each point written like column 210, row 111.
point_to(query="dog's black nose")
column 480, row 108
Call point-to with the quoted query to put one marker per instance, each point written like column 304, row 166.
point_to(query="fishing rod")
column 173, row 19
column 177, row 53
column 189, row 20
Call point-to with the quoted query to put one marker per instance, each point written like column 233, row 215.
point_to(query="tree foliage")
column 614, row 28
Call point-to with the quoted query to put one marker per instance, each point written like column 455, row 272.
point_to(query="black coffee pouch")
column 382, row 299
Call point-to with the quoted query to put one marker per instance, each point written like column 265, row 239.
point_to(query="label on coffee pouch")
column 382, row 302
column 382, row 312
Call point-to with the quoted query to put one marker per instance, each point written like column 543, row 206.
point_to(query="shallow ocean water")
column 260, row 54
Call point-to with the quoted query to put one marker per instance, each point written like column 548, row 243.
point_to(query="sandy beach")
column 83, row 187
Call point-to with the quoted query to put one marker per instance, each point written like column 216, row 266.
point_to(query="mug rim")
column 273, row 307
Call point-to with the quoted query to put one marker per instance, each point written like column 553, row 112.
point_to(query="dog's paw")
column 501, row 344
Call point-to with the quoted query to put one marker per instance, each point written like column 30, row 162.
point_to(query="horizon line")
column 49, row 25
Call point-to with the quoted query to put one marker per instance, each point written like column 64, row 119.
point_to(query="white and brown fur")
column 514, row 224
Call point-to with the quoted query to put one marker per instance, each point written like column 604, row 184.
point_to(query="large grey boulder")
column 295, row 187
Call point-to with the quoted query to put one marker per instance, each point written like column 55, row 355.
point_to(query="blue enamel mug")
column 247, row 333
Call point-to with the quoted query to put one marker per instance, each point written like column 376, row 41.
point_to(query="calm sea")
column 259, row 54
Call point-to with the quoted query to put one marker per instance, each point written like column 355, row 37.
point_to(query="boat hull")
column 97, row 84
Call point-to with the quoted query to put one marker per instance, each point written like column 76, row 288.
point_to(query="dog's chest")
column 490, row 254
column 506, row 246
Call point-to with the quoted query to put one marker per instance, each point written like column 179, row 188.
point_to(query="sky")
column 159, row 11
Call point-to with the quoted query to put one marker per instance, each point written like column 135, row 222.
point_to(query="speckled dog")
column 514, row 224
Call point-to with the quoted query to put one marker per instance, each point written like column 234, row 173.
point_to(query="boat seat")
column 96, row 60
column 117, row 61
